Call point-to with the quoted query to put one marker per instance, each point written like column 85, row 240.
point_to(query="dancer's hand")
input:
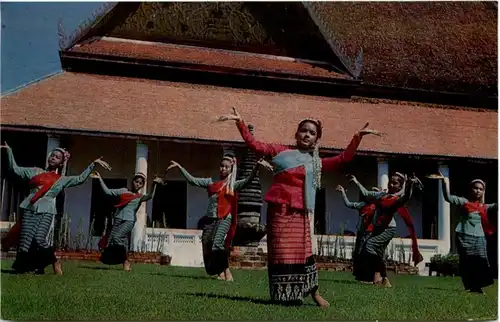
column 103, row 163
column 365, row 130
column 235, row 116
column 95, row 175
column 340, row 188
column 172, row 165
column 264, row 163
column 5, row 145
column 352, row 179
column 438, row 176
column 159, row 180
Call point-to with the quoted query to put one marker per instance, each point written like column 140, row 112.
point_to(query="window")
column 170, row 205
column 320, row 212
column 102, row 207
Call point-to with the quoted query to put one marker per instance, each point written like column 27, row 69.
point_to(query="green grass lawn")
column 91, row 291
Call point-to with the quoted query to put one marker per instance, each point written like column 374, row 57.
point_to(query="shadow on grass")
column 239, row 298
column 9, row 271
column 443, row 289
column 340, row 281
column 96, row 267
column 184, row 276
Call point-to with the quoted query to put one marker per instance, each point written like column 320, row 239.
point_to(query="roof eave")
column 208, row 75
column 189, row 140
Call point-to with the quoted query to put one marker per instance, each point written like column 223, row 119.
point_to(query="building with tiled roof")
column 143, row 83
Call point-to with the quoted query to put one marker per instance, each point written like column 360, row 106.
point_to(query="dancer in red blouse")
column 291, row 200
column 384, row 226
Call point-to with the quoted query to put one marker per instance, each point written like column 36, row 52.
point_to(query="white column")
column 444, row 217
column 141, row 165
column 53, row 142
column 382, row 173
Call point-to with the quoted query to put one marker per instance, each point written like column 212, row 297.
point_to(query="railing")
column 185, row 246
column 399, row 249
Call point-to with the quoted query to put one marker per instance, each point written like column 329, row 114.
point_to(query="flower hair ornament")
column 140, row 175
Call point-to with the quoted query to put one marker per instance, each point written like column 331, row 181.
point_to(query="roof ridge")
column 98, row 15
column 236, row 52
column 28, row 84
column 353, row 67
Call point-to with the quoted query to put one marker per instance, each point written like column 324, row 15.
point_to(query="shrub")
column 445, row 265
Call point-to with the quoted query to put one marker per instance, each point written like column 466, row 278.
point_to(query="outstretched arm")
column 22, row 172
column 239, row 184
column 150, row 195
column 332, row 163
column 260, row 148
column 347, row 203
column 197, row 182
column 105, row 189
column 72, row 181
column 445, row 186
column 364, row 192
column 350, row 204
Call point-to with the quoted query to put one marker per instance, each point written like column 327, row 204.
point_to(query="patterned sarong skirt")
column 474, row 267
column 291, row 268
column 372, row 251
column 34, row 252
column 215, row 255
column 116, row 251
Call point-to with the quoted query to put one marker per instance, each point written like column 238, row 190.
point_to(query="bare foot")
column 126, row 266
column 221, row 277
column 386, row 283
column 57, row 267
column 377, row 279
column 229, row 275
column 319, row 300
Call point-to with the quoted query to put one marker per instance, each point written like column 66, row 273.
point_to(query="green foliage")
column 446, row 265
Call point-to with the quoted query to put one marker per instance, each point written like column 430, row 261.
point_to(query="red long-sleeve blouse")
column 288, row 186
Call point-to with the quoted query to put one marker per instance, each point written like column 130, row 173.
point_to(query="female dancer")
column 125, row 217
column 364, row 228
column 472, row 227
column 291, row 200
column 39, row 208
column 219, row 223
column 384, row 226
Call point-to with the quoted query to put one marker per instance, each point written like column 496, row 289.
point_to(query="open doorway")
column 170, row 205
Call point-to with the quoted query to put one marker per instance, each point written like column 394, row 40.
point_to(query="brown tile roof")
column 145, row 107
column 445, row 46
column 206, row 57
